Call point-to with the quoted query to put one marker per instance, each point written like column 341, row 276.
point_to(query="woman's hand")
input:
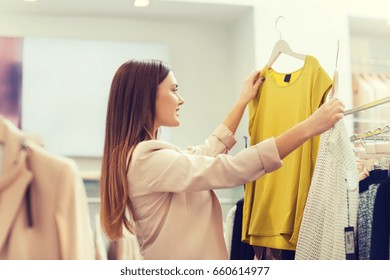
column 325, row 117
column 320, row 121
column 248, row 92
column 250, row 87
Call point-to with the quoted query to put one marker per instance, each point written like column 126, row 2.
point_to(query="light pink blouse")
column 177, row 214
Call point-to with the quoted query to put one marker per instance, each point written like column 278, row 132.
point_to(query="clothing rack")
column 372, row 134
column 367, row 106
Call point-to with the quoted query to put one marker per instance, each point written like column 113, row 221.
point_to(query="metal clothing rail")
column 367, row 106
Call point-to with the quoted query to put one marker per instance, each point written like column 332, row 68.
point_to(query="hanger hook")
column 376, row 132
column 276, row 26
column 363, row 139
column 337, row 55
column 386, row 129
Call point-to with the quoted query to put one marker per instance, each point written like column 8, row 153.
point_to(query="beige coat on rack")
column 58, row 207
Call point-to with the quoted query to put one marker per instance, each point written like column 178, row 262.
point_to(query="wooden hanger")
column 282, row 46
column 335, row 86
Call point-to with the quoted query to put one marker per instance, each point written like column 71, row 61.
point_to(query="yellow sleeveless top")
column 274, row 204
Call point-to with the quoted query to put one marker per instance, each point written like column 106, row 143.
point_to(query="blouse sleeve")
column 219, row 142
column 159, row 167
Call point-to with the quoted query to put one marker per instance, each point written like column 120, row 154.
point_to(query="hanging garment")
column 367, row 194
column 332, row 201
column 380, row 91
column 240, row 250
column 125, row 248
column 381, row 223
column 128, row 247
column 363, row 92
column 177, row 214
column 43, row 204
column 380, row 88
column 264, row 253
column 274, row 204
column 386, row 79
column 100, row 247
column 228, row 228
column 364, row 223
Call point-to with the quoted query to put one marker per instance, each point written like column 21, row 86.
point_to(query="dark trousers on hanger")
column 263, row 253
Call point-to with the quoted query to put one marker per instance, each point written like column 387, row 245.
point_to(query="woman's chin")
column 173, row 124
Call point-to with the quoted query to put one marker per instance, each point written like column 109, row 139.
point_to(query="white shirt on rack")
column 332, row 200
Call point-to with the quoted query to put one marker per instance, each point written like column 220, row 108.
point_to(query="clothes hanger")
column 385, row 150
column 335, row 85
column 383, row 145
column 382, row 76
column 282, row 46
column 366, row 76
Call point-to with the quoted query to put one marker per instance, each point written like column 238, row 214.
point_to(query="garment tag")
column 287, row 78
column 349, row 236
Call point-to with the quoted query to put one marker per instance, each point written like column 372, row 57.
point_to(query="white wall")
column 210, row 62
column 243, row 59
column 370, row 9
column 241, row 56
column 204, row 54
column 200, row 53
column 65, row 89
column 310, row 27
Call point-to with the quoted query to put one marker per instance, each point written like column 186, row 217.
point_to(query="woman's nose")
column 181, row 100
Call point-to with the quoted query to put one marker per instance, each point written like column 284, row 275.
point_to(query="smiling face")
column 168, row 103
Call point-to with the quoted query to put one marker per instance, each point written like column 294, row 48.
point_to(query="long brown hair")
column 130, row 119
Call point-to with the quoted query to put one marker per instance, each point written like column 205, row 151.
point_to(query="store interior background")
column 211, row 45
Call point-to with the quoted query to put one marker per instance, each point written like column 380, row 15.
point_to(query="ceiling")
column 158, row 9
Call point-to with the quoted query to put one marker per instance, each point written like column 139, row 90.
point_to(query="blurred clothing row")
column 44, row 211
column 368, row 87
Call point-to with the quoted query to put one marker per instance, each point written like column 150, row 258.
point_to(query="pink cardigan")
column 177, row 214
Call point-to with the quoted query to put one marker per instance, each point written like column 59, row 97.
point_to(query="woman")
column 163, row 194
